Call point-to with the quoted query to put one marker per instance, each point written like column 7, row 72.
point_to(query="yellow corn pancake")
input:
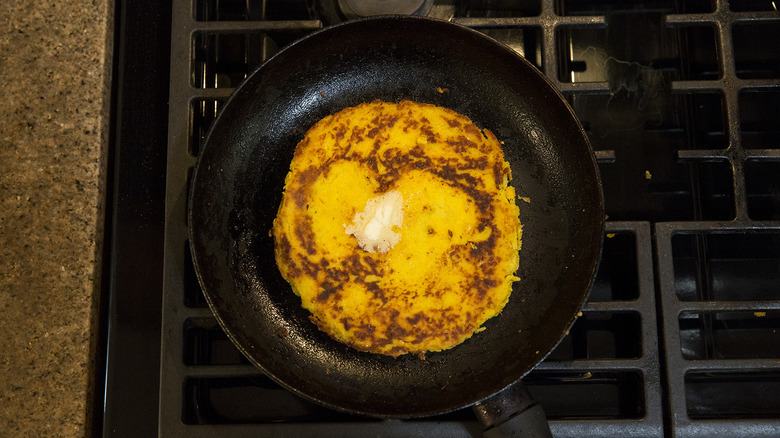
column 397, row 228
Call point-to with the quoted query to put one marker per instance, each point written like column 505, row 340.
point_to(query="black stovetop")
column 681, row 102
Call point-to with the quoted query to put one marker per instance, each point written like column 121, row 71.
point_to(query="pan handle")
column 512, row 413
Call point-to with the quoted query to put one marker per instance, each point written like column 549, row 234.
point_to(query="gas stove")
column 681, row 102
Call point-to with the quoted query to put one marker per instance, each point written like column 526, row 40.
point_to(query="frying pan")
column 238, row 182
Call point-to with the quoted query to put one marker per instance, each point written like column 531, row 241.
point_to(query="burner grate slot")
column 601, row 335
column 213, row 401
column 578, row 395
column 203, row 112
column 224, row 59
column 582, row 55
column 705, row 117
column 729, row 335
column 193, row 294
column 228, row 10
column 697, row 58
column 586, row 7
column 753, row 5
column 617, row 277
column 739, row 266
column 732, row 395
column 665, row 189
column 503, row 8
column 243, row 10
column 206, row 344
column 756, row 61
column 525, row 40
column 759, row 113
column 190, row 170
column 712, row 185
column 762, row 182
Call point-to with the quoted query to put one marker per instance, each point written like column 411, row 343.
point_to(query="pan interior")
column 239, row 180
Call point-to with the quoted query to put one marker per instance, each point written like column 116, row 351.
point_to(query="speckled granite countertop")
column 55, row 71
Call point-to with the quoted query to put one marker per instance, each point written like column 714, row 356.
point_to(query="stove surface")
column 681, row 102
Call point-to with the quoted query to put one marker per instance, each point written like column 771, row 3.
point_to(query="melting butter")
column 374, row 226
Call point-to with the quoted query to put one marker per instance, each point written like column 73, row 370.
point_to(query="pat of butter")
column 373, row 227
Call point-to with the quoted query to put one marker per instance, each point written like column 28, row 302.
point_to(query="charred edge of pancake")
column 368, row 332
column 283, row 252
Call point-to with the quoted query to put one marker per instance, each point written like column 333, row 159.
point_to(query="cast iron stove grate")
column 682, row 107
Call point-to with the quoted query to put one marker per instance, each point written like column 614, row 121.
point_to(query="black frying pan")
column 238, row 182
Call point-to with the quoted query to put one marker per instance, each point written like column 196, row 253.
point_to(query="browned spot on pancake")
column 341, row 131
column 410, row 123
column 372, row 264
column 498, row 173
column 395, row 331
column 397, row 351
column 354, row 264
column 309, row 267
column 299, row 196
column 386, row 181
column 468, row 184
column 302, row 145
column 430, row 136
column 381, row 342
column 377, row 291
column 328, row 290
column 361, row 334
column 485, row 248
column 338, row 275
column 473, row 130
column 284, row 252
column 483, row 285
column 462, row 144
column 418, row 152
column 480, row 163
column 305, row 235
column 305, row 178
column 357, row 136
